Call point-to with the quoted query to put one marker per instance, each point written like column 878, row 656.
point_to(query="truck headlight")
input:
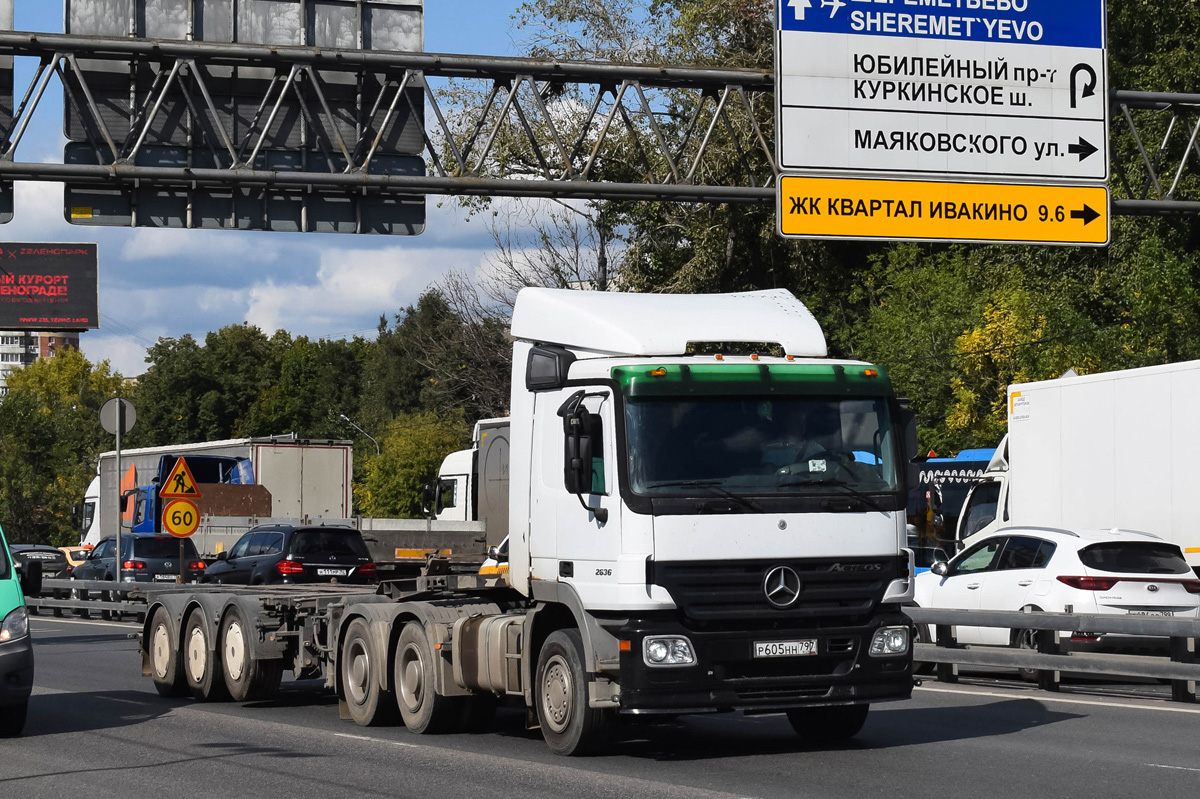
column 668, row 650
column 16, row 625
column 889, row 642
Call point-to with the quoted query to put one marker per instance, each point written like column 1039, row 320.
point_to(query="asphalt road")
column 97, row 729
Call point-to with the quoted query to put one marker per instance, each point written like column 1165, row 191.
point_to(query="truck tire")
column 12, row 719
column 163, row 651
column 817, row 725
column 423, row 710
column 247, row 678
column 201, row 668
column 369, row 705
column 569, row 726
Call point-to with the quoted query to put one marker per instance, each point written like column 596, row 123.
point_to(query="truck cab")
column 728, row 529
column 986, row 508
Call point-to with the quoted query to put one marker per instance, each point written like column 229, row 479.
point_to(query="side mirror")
column 577, row 458
column 941, row 568
column 494, row 554
column 222, row 556
column 429, row 499
column 31, row 578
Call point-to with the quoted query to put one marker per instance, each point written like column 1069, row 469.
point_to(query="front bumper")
column 727, row 676
column 16, row 671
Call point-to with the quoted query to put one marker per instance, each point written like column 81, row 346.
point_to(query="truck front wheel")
column 817, row 725
column 569, row 726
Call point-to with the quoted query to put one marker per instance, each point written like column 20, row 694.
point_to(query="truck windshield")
column 3, row 558
column 770, row 446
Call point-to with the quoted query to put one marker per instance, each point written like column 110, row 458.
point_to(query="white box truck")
column 1115, row 449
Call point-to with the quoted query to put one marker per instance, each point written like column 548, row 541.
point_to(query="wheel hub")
column 412, row 678
column 556, row 694
column 358, row 677
column 160, row 648
column 197, row 657
column 235, row 651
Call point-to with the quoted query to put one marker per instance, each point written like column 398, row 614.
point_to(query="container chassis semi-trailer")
column 385, row 651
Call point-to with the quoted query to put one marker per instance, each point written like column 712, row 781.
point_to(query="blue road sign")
column 1057, row 23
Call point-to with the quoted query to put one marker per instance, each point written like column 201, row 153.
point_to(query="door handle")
column 1024, row 583
column 973, row 586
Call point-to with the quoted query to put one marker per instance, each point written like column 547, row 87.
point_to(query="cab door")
column 583, row 550
column 962, row 587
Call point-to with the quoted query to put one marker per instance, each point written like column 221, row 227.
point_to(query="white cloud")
column 150, row 243
column 352, row 289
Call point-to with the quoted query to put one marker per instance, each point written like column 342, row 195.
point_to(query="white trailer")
column 305, row 478
column 1115, row 449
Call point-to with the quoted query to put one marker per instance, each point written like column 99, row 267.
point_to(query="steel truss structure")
column 495, row 126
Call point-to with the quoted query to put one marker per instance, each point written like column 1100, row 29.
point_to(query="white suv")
column 1060, row 571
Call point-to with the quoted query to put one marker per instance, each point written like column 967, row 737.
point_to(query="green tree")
column 318, row 382
column 413, row 448
column 50, row 436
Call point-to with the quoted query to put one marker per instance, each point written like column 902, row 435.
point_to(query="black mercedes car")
column 54, row 562
column 292, row 554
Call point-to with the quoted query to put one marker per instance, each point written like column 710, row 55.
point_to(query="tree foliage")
column 50, row 436
column 414, row 446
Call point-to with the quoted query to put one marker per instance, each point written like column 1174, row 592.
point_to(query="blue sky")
column 156, row 283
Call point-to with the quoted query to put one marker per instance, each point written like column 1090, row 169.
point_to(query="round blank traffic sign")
column 109, row 415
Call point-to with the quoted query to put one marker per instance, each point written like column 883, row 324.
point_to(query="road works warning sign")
column 905, row 210
column 181, row 484
column 957, row 88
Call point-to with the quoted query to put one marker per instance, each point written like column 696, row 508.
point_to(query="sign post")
column 117, row 416
column 984, row 95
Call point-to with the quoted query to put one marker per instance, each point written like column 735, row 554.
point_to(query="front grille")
column 733, row 591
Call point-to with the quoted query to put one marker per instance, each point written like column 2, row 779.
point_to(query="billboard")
column 48, row 286
column 274, row 124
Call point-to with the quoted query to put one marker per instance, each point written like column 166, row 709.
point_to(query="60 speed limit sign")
column 181, row 517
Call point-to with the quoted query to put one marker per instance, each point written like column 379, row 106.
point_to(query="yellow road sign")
column 181, row 484
column 181, row 517
column 892, row 210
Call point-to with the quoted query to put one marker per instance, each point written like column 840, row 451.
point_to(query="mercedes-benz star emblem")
column 782, row 586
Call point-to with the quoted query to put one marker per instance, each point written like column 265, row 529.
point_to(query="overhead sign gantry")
column 1009, row 93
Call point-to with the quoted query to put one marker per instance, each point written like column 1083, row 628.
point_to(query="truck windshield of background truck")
column 760, row 445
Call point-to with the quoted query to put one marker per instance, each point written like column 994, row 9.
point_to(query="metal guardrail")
column 97, row 598
column 1180, row 667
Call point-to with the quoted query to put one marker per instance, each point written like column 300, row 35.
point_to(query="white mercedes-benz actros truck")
column 706, row 514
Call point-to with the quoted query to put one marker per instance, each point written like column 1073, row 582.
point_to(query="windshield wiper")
column 840, row 484
column 712, row 485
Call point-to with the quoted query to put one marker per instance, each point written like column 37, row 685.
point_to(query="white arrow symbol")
column 799, row 7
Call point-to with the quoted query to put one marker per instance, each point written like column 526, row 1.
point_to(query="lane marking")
column 118, row 699
column 1043, row 697
column 375, row 740
column 1173, row 768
